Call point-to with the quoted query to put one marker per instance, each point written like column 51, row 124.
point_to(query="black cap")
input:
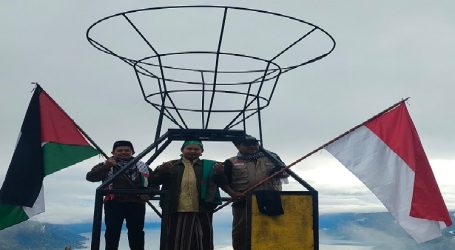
column 247, row 140
column 123, row 143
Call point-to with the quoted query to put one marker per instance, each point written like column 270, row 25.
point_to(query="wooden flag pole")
column 94, row 144
column 250, row 189
column 77, row 126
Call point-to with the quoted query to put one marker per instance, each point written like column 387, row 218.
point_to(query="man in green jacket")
column 192, row 195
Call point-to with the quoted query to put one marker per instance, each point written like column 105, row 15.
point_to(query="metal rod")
column 315, row 219
column 216, row 67
column 127, row 191
column 155, row 209
column 98, row 208
column 203, row 99
column 257, row 96
column 273, row 88
column 220, row 7
column 154, row 105
column 276, row 162
column 260, row 122
column 134, row 161
column 231, row 124
column 242, row 112
column 294, row 43
column 161, row 67
column 97, row 220
column 162, row 98
column 158, row 152
column 142, row 36
column 312, row 152
column 77, row 126
column 175, row 107
column 300, row 180
column 162, row 109
column 130, row 191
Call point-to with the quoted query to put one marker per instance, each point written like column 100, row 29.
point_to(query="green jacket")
column 171, row 180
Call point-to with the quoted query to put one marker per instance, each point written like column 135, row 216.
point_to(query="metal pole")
column 215, row 77
column 97, row 219
column 290, row 172
column 134, row 161
column 158, row 152
column 315, row 219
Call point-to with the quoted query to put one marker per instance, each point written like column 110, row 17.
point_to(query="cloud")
column 340, row 191
column 381, row 239
column 384, row 52
column 374, row 231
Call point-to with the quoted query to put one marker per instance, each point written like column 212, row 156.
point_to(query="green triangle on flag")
column 11, row 215
column 49, row 141
column 58, row 156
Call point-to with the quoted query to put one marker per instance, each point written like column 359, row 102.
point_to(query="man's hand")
column 165, row 168
column 110, row 162
column 218, row 168
column 236, row 195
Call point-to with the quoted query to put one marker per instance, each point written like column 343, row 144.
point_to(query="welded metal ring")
column 267, row 76
column 267, row 101
column 129, row 60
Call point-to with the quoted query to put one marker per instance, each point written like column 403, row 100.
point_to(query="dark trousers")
column 133, row 213
column 187, row 231
column 239, row 225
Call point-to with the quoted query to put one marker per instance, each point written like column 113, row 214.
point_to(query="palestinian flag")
column 49, row 141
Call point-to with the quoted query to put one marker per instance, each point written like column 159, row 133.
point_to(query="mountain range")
column 377, row 230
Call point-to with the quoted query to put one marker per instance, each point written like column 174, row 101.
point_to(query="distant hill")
column 37, row 236
column 371, row 229
column 44, row 236
column 378, row 230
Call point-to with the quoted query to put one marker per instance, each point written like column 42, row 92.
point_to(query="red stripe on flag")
column 56, row 125
column 393, row 128
column 397, row 131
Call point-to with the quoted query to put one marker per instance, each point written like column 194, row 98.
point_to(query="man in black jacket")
column 123, row 207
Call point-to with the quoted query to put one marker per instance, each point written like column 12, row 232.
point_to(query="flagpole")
column 90, row 140
column 77, row 126
column 311, row 153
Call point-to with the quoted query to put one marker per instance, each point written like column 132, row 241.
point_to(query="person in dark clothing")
column 192, row 195
column 249, row 167
column 118, row 208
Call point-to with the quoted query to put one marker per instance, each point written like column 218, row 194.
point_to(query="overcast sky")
column 386, row 51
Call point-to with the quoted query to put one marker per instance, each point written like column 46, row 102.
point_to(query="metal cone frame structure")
column 209, row 71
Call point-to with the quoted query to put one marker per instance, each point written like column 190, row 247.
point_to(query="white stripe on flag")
column 38, row 206
column 386, row 175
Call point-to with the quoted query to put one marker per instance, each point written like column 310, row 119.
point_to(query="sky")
column 385, row 51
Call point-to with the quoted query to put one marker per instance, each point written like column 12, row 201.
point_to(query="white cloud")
column 385, row 51
column 69, row 198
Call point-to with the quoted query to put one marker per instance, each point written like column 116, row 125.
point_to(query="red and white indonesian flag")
column 387, row 156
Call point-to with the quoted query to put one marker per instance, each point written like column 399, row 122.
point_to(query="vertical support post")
column 203, row 99
column 260, row 122
column 215, row 76
column 97, row 220
column 314, row 194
